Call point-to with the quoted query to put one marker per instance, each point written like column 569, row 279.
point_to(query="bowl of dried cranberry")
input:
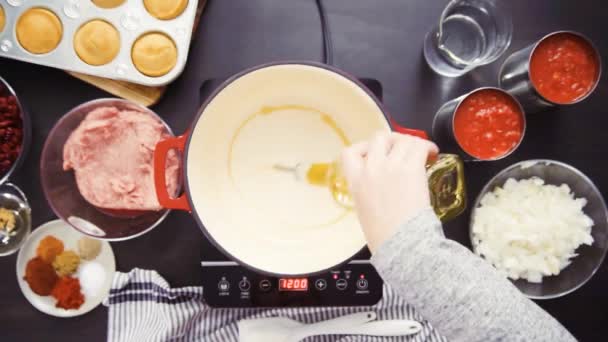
column 14, row 131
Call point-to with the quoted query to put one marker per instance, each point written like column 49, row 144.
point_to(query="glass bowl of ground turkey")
column 96, row 169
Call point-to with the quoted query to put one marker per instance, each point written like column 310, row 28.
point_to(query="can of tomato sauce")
column 485, row 124
column 562, row 68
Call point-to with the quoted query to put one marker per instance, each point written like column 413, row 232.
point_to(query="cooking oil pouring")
column 445, row 176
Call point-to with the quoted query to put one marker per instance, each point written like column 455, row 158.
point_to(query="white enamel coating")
column 264, row 218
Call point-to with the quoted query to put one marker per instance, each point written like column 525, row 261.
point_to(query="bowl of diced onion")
column 544, row 225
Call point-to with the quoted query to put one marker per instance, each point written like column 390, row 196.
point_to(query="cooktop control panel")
column 226, row 284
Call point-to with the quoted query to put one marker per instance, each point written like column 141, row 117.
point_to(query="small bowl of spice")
column 15, row 219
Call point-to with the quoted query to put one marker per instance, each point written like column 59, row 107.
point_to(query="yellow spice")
column 7, row 220
column 66, row 263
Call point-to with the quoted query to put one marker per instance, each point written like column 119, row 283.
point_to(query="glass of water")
column 470, row 33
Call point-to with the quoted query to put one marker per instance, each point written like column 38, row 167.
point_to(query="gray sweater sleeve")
column 462, row 295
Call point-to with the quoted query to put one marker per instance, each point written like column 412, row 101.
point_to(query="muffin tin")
column 132, row 21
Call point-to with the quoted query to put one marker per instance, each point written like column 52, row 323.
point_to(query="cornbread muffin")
column 39, row 30
column 108, row 3
column 97, row 42
column 165, row 9
column 154, row 54
column 2, row 19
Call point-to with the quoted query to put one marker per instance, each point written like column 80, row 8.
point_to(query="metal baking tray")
column 131, row 19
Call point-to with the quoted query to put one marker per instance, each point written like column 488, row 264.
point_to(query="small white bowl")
column 69, row 237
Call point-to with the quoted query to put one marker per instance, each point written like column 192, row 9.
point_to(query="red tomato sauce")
column 488, row 124
column 564, row 68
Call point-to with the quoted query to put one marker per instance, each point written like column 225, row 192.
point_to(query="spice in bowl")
column 66, row 263
column 88, row 248
column 7, row 221
column 92, row 277
column 488, row 124
column 15, row 218
column 48, row 248
column 67, row 292
column 40, row 276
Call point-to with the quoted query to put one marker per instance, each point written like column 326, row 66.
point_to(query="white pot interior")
column 262, row 217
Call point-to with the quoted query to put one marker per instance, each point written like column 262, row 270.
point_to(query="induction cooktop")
column 228, row 284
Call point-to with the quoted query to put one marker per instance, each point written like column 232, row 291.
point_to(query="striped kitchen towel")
column 142, row 307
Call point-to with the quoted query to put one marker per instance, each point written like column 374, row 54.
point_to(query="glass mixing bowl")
column 11, row 197
column 589, row 258
column 62, row 192
column 6, row 89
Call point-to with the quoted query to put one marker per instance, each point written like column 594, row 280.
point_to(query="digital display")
column 293, row 284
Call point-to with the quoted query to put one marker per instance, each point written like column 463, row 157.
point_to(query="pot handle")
column 403, row 130
column 160, row 160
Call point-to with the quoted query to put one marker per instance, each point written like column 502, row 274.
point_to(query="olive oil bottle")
column 445, row 177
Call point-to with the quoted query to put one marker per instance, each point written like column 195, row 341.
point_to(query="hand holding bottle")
column 387, row 177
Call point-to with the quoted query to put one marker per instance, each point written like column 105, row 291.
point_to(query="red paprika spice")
column 40, row 276
column 67, row 292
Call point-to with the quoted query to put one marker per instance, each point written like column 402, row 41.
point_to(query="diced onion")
column 528, row 229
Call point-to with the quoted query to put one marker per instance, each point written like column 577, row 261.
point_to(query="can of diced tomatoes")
column 562, row 68
column 485, row 124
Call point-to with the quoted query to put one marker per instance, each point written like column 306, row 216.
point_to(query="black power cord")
column 328, row 57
